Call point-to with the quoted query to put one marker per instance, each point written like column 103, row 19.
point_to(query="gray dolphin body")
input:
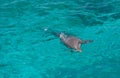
column 73, row 42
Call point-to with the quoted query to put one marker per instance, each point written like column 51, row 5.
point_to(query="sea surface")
column 28, row 51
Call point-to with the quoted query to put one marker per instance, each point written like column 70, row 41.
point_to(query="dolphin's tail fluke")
column 86, row 41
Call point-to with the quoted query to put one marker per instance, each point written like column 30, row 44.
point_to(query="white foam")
column 45, row 29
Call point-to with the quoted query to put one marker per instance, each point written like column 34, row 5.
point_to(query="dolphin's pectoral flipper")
column 86, row 41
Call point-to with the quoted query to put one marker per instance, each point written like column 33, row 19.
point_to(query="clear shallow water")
column 27, row 52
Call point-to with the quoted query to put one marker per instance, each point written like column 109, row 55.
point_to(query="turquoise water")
column 26, row 51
